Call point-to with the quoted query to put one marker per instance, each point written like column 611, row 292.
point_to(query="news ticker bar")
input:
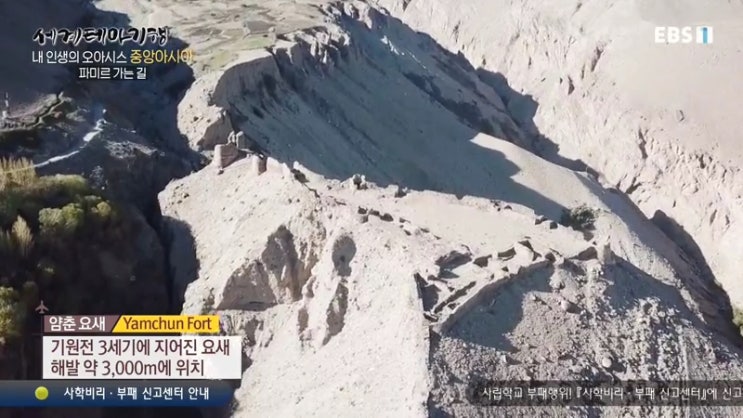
column 649, row 393
column 59, row 393
column 131, row 324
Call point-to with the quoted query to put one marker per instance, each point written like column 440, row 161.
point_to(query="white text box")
column 142, row 357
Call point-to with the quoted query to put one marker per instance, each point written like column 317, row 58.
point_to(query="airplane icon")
column 42, row 309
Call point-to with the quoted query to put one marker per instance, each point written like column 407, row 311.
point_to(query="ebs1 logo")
column 683, row 34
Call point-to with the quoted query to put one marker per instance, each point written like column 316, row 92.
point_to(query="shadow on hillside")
column 183, row 262
column 671, row 241
column 716, row 305
column 523, row 108
column 440, row 155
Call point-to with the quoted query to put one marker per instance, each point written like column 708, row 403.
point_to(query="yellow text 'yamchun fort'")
column 167, row 324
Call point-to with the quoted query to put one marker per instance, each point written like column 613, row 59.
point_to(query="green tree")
column 103, row 212
column 56, row 223
column 12, row 313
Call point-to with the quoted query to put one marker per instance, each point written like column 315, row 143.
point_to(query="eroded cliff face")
column 363, row 94
column 353, row 298
column 657, row 121
column 392, row 232
column 366, row 93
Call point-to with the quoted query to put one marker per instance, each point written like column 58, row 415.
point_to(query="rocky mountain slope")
column 402, row 240
column 657, row 120
column 394, row 225
column 355, row 299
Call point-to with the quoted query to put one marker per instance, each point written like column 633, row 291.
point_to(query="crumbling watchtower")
column 226, row 154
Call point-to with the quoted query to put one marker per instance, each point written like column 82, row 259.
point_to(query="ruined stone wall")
column 225, row 154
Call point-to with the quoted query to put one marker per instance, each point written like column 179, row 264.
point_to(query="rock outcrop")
column 394, row 231
column 658, row 121
column 354, row 300
column 402, row 234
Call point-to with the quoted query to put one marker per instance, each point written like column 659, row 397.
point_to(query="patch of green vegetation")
column 225, row 51
column 581, row 218
column 51, row 228
column 61, row 222
column 12, row 314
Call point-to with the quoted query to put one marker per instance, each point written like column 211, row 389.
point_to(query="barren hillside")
column 404, row 197
column 355, row 299
column 658, row 121
column 403, row 240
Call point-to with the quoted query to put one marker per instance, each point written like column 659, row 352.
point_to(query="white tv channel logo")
column 683, row 34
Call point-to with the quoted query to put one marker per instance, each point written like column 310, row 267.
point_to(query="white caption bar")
column 142, row 357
